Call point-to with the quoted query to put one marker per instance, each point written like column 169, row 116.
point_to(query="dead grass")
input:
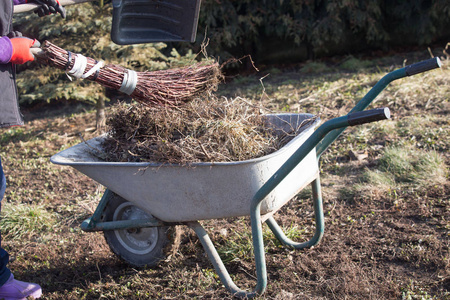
column 203, row 130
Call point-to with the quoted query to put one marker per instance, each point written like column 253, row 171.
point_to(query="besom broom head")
column 170, row 87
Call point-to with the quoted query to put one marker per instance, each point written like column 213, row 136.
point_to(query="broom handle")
column 29, row 7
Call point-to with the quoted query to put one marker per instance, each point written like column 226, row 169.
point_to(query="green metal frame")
column 258, row 245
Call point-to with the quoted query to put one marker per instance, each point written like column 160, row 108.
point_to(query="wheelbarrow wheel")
column 137, row 246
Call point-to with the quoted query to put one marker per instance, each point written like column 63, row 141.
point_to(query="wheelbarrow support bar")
column 94, row 223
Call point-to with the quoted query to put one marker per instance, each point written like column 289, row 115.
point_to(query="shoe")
column 19, row 290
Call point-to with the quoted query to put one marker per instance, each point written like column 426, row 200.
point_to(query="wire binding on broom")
column 165, row 87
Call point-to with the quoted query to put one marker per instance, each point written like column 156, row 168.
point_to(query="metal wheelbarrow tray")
column 199, row 191
column 143, row 199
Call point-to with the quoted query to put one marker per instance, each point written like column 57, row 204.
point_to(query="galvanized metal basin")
column 175, row 193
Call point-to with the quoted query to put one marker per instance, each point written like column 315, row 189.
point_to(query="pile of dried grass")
column 203, row 130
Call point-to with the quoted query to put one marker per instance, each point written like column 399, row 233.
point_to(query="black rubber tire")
column 138, row 247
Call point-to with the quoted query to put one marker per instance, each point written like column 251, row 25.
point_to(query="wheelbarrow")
column 144, row 199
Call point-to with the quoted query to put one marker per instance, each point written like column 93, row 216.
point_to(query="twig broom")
column 166, row 87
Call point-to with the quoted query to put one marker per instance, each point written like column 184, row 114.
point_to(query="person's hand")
column 48, row 7
column 14, row 34
column 21, row 49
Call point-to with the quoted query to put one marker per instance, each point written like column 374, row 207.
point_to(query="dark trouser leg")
column 5, row 273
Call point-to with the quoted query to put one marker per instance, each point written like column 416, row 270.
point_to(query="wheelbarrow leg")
column 217, row 262
column 319, row 217
column 90, row 223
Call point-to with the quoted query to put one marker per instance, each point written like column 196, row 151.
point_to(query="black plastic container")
column 149, row 21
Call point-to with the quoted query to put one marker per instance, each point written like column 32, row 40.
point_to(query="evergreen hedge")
column 305, row 29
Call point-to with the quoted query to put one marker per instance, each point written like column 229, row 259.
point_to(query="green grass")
column 240, row 245
column 412, row 292
column 314, row 67
column 354, row 64
column 407, row 168
column 421, row 167
column 25, row 220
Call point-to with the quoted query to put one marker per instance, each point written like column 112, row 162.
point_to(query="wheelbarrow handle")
column 318, row 135
column 410, row 70
column 367, row 116
column 423, row 66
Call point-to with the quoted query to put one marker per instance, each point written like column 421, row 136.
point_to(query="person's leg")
column 5, row 273
column 2, row 181
column 11, row 289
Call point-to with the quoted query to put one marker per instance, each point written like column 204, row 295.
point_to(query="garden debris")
column 203, row 130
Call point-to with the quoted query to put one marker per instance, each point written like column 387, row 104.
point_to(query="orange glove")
column 21, row 50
